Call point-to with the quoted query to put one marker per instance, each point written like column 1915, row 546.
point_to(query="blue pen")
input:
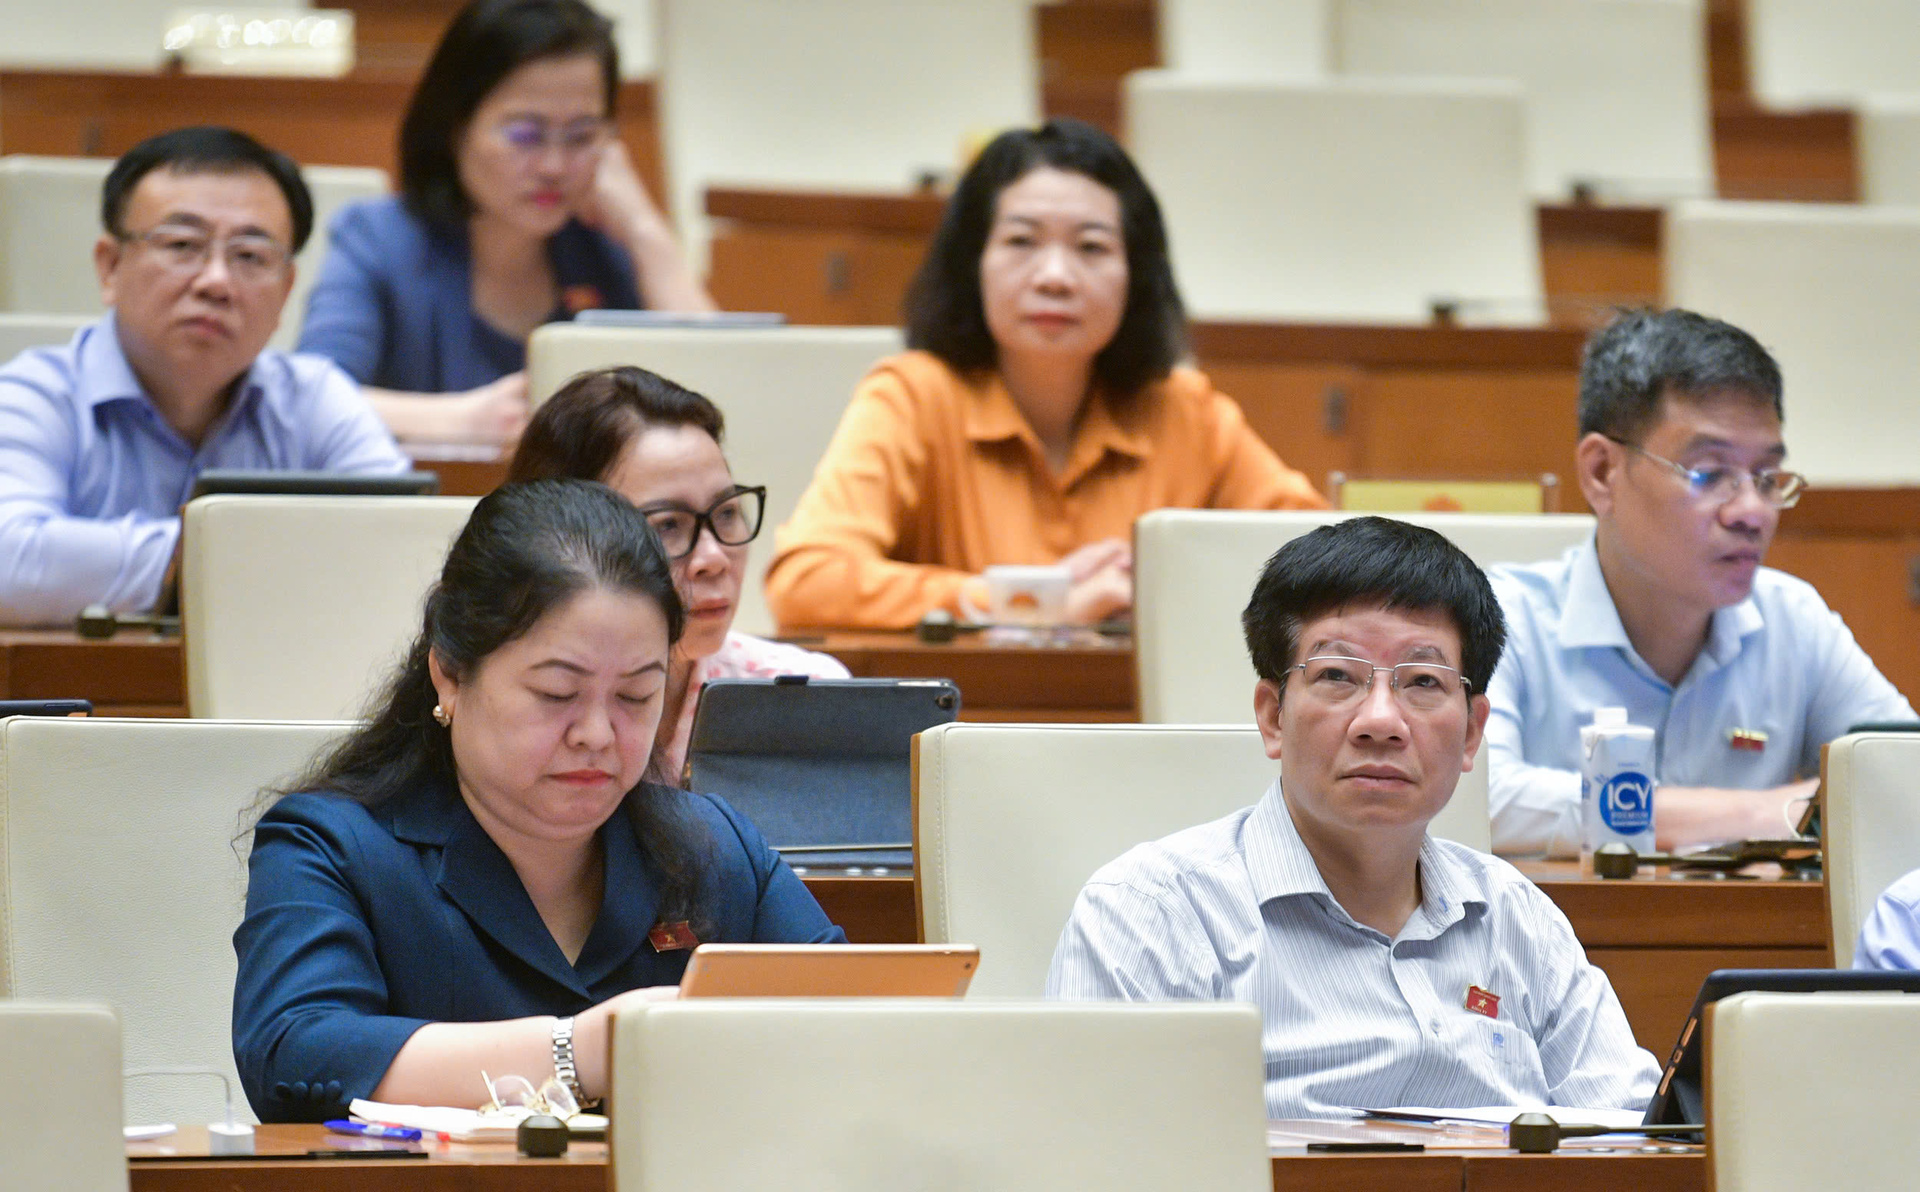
column 368, row 1130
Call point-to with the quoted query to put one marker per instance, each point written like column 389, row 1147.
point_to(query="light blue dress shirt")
column 92, row 478
column 1236, row 910
column 1779, row 662
column 1890, row 938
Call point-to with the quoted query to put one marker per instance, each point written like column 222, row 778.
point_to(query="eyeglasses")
column 515, row 1096
column 530, row 136
column 734, row 520
column 1718, row 485
column 1337, row 681
column 250, row 257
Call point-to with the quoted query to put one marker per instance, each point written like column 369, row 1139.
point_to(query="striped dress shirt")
column 1236, row 910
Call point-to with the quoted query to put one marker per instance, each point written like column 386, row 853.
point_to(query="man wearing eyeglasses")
column 1742, row 672
column 101, row 439
column 1390, row 968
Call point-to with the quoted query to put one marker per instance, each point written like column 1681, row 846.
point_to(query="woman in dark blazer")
column 478, row 878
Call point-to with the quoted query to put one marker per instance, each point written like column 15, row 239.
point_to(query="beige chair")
column 812, row 1096
column 782, row 389
column 296, row 608
column 1355, row 200
column 1010, row 820
column 1831, row 53
column 50, row 218
column 1838, row 1115
column 20, row 332
column 1247, row 39
column 1829, row 289
column 1870, row 824
column 1194, row 571
column 1888, row 133
column 1616, row 90
column 60, row 1100
column 124, row 878
column 833, row 94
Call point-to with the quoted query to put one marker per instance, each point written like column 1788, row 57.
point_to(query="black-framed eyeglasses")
column 1717, row 485
column 1337, row 680
column 734, row 520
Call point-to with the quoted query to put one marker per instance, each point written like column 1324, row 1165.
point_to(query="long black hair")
column 487, row 41
column 944, row 311
column 527, row 550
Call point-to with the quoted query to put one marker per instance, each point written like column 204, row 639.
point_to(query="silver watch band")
column 563, row 1067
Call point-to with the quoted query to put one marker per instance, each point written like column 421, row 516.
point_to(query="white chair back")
column 125, row 877
column 782, row 389
column 1010, row 820
column 20, row 332
column 1889, row 140
column 296, row 608
column 1194, row 571
column 1846, row 1118
column 1247, row 39
column 1829, row 289
column 834, row 94
column 50, row 218
column 720, row 1094
column 60, row 1103
column 1871, row 825
column 1341, row 200
column 1813, row 53
column 1616, row 90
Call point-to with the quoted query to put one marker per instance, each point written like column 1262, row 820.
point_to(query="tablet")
column 830, row 970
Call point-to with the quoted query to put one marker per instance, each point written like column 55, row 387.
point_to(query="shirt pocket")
column 1506, row 1044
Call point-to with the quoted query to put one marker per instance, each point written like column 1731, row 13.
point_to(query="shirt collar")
column 1588, row 616
column 1280, row 866
column 108, row 377
column 991, row 416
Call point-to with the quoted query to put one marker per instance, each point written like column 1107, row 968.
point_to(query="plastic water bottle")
column 1616, row 784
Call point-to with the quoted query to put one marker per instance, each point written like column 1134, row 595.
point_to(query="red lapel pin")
column 1481, row 1002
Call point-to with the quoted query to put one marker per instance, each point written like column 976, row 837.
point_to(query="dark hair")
column 944, row 311
column 527, row 550
column 487, row 41
column 582, row 429
column 1372, row 562
column 206, row 149
column 1644, row 355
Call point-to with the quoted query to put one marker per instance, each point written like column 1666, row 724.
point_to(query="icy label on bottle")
column 1626, row 802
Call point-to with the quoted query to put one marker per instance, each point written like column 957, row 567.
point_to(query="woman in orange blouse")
column 1040, row 411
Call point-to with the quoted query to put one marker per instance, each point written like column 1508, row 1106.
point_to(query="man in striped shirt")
column 1390, row 968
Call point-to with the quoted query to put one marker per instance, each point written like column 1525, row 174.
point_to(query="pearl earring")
column 443, row 716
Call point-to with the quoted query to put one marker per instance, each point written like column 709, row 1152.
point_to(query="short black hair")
column 205, row 149
column 944, row 313
column 487, row 41
column 1372, row 562
column 581, row 430
column 1645, row 355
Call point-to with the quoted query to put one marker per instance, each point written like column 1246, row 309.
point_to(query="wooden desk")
column 132, row 674
column 490, row 1166
column 1000, row 683
column 1656, row 938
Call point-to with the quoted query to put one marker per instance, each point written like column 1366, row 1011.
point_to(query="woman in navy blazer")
column 518, row 206
column 478, row 878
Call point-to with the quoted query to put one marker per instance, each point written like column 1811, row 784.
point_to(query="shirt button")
column 1436, row 1026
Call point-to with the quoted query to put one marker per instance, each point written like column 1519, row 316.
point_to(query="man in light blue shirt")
column 1743, row 672
column 1890, row 938
column 102, row 439
column 1390, row 968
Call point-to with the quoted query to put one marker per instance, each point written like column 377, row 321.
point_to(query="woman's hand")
column 1102, row 581
column 494, row 413
column 620, row 206
column 593, row 1034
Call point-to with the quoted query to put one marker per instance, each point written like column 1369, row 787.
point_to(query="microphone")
column 97, row 622
column 1539, row 1134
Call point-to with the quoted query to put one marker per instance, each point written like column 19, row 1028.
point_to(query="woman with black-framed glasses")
column 658, row 445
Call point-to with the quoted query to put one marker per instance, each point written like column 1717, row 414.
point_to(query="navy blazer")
column 365, row 924
column 393, row 305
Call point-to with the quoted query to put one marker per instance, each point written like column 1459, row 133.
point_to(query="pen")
column 385, row 1154
column 367, row 1130
column 1364, row 1148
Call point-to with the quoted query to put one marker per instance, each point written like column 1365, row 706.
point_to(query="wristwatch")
column 563, row 1067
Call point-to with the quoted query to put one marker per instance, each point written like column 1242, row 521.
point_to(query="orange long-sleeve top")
column 931, row 477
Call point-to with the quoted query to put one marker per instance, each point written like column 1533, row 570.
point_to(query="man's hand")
column 1695, row 815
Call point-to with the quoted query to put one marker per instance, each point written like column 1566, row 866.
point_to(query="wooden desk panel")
column 999, row 683
column 133, row 674
column 489, row 1167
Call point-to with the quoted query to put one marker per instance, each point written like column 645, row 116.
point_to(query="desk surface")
column 496, row 1166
